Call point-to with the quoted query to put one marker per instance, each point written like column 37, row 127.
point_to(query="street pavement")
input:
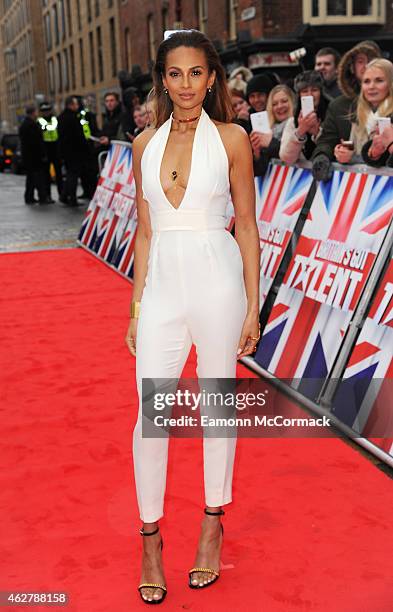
column 35, row 227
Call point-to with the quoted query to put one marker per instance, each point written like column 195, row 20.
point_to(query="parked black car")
column 10, row 153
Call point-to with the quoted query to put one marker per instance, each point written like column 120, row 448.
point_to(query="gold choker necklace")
column 186, row 120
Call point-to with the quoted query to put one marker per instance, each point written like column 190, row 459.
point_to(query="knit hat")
column 308, row 78
column 46, row 106
column 259, row 83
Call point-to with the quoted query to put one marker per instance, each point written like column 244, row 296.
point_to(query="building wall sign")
column 248, row 13
column 272, row 59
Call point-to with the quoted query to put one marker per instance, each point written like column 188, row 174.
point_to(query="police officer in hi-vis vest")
column 50, row 135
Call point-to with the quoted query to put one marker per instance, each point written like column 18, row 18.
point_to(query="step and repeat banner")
column 319, row 245
column 109, row 227
column 280, row 198
column 344, row 233
column 363, row 399
column 335, row 253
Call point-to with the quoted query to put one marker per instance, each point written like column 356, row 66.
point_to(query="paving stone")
column 35, row 227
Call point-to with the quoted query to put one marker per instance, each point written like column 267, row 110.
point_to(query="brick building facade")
column 53, row 48
column 22, row 63
column 256, row 34
column 82, row 50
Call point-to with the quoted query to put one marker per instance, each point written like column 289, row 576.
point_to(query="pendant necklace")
column 174, row 173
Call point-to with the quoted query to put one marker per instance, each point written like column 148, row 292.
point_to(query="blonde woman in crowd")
column 378, row 94
column 280, row 107
column 375, row 102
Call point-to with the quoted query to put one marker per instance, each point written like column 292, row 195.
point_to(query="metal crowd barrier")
column 337, row 235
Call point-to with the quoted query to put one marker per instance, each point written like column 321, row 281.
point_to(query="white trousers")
column 206, row 308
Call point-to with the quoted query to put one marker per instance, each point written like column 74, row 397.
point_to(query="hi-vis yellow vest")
column 49, row 129
column 85, row 124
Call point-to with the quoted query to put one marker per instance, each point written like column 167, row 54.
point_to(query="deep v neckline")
column 165, row 142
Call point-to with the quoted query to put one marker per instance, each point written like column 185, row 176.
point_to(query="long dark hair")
column 218, row 103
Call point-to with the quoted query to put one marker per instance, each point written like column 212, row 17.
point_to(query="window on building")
column 78, row 14
column 92, row 58
column 100, row 55
column 48, row 32
column 232, row 5
column 127, row 48
column 343, row 11
column 66, row 71
column 202, row 15
column 63, row 20
column 56, row 24
column 97, row 8
column 165, row 19
column 82, row 62
column 89, row 11
column 69, row 17
column 112, row 36
column 59, row 73
column 72, row 65
column 151, row 37
column 178, row 11
column 51, row 77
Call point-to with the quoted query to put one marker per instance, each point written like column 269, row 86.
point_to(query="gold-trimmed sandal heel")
column 152, row 584
column 205, row 569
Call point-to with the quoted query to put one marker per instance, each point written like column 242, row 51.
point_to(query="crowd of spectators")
column 340, row 111
column 347, row 118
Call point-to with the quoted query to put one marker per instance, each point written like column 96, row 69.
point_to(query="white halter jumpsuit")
column 194, row 293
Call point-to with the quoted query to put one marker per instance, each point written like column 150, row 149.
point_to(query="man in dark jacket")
column 337, row 124
column 112, row 118
column 33, row 157
column 326, row 63
column 74, row 149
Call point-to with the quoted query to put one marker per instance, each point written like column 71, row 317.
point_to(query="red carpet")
column 310, row 528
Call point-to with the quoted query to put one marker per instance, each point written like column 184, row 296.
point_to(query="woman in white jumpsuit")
column 193, row 282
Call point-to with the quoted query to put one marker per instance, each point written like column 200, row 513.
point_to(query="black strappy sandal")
column 152, row 584
column 206, row 569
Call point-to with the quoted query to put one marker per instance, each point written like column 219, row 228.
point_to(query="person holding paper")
column 268, row 127
column 376, row 108
column 303, row 129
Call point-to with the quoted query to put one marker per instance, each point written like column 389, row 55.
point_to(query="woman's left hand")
column 258, row 139
column 250, row 335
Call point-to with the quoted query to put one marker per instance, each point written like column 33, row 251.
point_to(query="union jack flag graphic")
column 122, row 171
column 364, row 398
column 123, row 258
column 113, row 225
column 88, row 231
column 280, row 197
column 94, row 213
column 111, row 161
column 340, row 239
column 112, row 205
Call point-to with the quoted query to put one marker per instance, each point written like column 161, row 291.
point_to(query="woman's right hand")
column 308, row 124
column 131, row 336
column 343, row 154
